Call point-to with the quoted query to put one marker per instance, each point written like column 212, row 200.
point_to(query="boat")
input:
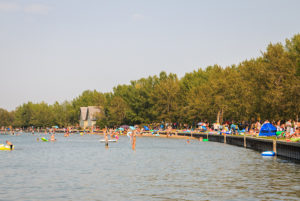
column 111, row 140
column 5, row 147
column 268, row 153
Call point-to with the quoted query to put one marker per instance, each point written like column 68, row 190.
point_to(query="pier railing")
column 281, row 148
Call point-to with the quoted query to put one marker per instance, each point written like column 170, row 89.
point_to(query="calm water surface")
column 80, row 168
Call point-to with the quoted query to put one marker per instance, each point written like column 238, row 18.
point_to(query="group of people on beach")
column 289, row 128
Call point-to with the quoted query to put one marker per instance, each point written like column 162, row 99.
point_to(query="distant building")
column 88, row 116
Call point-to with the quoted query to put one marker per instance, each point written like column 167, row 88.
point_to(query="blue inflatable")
column 146, row 128
column 268, row 153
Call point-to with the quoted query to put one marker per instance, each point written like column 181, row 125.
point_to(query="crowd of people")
column 287, row 129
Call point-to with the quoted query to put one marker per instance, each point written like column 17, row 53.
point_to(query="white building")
column 88, row 116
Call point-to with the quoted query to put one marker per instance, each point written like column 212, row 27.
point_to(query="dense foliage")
column 267, row 87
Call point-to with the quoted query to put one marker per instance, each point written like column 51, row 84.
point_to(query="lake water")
column 80, row 168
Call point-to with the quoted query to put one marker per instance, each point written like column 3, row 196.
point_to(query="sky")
column 53, row 50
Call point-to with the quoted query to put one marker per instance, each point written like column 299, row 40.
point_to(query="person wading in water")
column 133, row 136
column 106, row 139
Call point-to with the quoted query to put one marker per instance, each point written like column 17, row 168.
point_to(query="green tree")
column 6, row 118
column 165, row 97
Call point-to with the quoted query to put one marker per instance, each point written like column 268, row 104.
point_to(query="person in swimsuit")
column 169, row 131
column 117, row 135
column 9, row 144
column 106, row 139
column 52, row 137
column 133, row 136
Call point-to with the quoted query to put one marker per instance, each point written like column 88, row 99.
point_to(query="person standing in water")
column 106, row 139
column 52, row 137
column 133, row 136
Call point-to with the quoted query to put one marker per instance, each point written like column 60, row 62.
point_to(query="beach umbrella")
column 121, row 129
column 54, row 126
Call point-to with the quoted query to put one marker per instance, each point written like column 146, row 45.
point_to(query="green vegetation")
column 267, row 87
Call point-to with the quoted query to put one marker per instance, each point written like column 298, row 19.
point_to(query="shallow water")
column 80, row 168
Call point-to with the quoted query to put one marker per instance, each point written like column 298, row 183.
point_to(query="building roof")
column 89, row 112
column 83, row 113
column 92, row 112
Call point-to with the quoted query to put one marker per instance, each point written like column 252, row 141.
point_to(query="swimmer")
column 52, row 137
column 67, row 134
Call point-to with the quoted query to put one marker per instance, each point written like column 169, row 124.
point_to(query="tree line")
column 267, row 87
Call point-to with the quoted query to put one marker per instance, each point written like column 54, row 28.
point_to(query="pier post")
column 225, row 138
column 245, row 145
column 274, row 146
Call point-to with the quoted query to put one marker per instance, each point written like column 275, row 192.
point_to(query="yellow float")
column 6, row 147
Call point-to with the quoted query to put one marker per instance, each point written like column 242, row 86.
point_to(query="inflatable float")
column 111, row 140
column 268, row 153
column 44, row 139
column 5, row 147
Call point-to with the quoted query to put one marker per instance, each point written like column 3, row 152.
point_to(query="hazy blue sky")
column 55, row 49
